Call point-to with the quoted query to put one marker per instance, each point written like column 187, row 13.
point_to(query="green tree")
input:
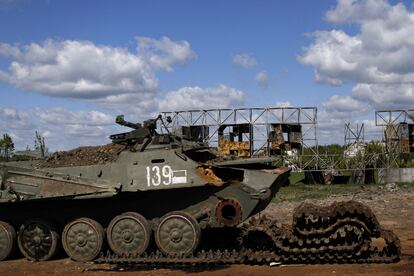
column 6, row 146
column 40, row 145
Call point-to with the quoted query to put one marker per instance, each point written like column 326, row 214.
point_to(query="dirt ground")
column 393, row 207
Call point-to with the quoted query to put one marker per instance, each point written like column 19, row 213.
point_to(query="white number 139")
column 157, row 175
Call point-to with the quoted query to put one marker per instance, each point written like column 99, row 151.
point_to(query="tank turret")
column 139, row 134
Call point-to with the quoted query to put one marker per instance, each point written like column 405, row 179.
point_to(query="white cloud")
column 138, row 106
column 283, row 104
column 113, row 78
column 81, row 69
column 164, row 53
column 220, row 96
column 66, row 129
column 63, row 129
column 8, row 50
column 356, row 11
column 12, row 118
column 17, row 124
column 334, row 57
column 262, row 79
column 61, row 116
column 244, row 60
column 331, row 127
column 380, row 53
column 337, row 111
column 376, row 59
column 346, row 104
column 380, row 96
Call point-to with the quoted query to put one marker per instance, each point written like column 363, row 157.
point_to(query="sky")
column 67, row 68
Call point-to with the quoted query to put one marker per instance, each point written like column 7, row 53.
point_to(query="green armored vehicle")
column 172, row 199
column 157, row 187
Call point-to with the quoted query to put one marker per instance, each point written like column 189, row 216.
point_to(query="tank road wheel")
column 38, row 240
column 128, row 233
column 177, row 233
column 7, row 240
column 83, row 239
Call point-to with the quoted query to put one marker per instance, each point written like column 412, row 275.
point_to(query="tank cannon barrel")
column 139, row 133
column 121, row 121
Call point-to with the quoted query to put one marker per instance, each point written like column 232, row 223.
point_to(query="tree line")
column 7, row 148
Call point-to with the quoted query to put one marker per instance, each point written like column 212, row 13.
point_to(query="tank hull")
column 63, row 198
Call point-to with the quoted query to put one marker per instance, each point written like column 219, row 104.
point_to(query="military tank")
column 171, row 199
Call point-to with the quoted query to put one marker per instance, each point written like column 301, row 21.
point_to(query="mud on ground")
column 394, row 209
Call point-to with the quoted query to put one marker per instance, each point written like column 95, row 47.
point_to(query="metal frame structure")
column 355, row 139
column 259, row 118
column 354, row 135
column 309, row 159
column 391, row 119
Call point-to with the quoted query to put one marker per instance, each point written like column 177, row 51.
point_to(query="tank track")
column 339, row 233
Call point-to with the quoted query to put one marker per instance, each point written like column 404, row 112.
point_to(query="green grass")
column 297, row 191
column 296, row 177
column 405, row 184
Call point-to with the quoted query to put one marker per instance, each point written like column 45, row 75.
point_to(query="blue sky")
column 273, row 31
column 190, row 49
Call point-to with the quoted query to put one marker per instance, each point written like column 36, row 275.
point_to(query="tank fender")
column 263, row 194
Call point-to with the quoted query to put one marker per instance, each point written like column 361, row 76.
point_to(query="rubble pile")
column 82, row 156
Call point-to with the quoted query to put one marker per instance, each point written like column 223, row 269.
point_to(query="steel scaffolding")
column 392, row 117
column 355, row 151
column 256, row 125
column 397, row 127
column 260, row 120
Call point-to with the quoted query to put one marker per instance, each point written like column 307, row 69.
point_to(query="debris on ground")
column 391, row 187
column 82, row 156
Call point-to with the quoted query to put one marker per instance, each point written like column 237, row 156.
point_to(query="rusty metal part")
column 229, row 212
column 157, row 258
column 207, row 173
column 342, row 232
column 308, row 215
column 239, row 149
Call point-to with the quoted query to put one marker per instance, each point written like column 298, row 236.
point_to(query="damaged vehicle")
column 169, row 198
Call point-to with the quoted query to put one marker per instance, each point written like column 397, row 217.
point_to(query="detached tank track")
column 157, row 258
column 339, row 233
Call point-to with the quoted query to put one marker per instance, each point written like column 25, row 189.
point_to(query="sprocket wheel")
column 128, row 234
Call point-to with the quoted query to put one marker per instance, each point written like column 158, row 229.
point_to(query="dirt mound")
column 82, row 156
